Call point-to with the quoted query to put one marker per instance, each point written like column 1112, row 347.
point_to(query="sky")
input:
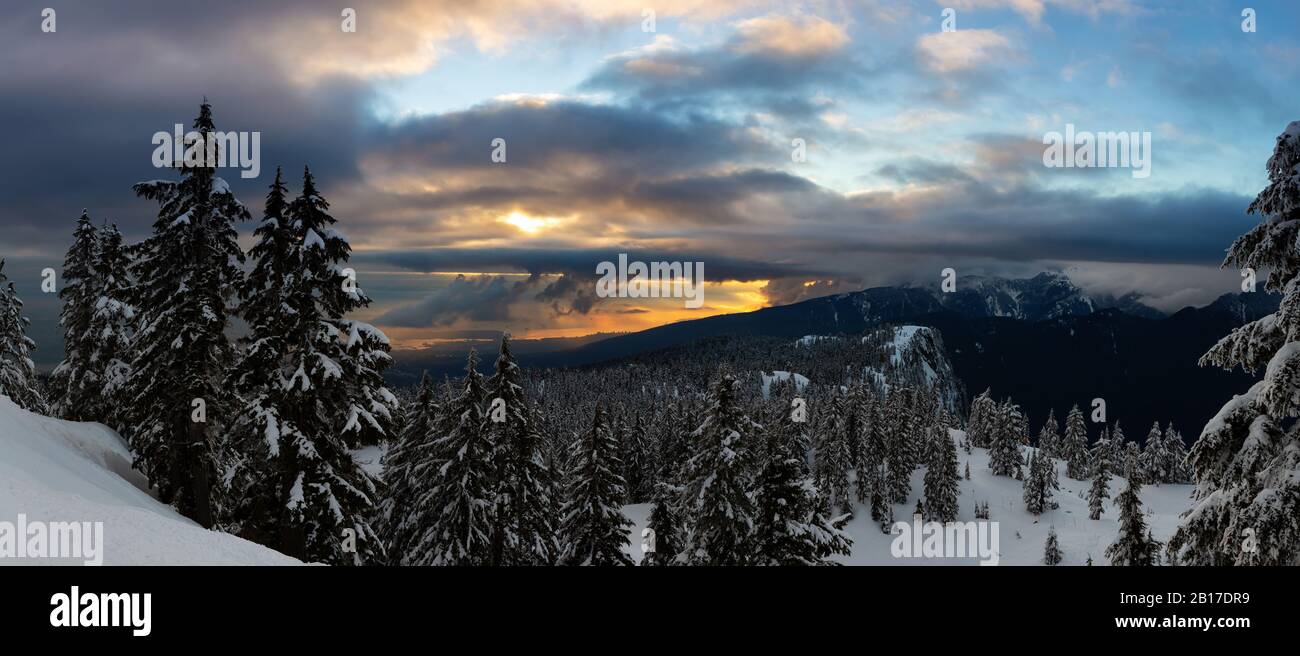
column 664, row 129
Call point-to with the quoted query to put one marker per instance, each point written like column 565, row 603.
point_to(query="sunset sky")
column 924, row 147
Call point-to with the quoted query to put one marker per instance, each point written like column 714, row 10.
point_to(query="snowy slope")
column 63, row 471
column 1078, row 536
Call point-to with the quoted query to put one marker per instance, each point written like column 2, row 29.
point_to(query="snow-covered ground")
column 63, row 471
column 1021, row 535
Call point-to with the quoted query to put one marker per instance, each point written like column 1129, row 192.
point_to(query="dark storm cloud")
column 82, row 104
column 558, row 135
column 577, row 261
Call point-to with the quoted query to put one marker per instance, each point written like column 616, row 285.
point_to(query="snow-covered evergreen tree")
column 1052, row 549
column 1176, row 466
column 185, row 274
column 453, row 512
column 1134, row 545
column 1155, row 458
column 112, row 326
column 593, row 527
column 834, row 457
column 525, row 534
column 719, row 510
column 941, row 487
column 1119, row 448
column 1133, row 462
column 899, row 457
column 1100, row 489
column 312, row 381
column 984, row 418
column 1049, row 437
column 409, row 464
column 1039, row 484
column 1004, row 449
column 75, row 382
column 666, row 524
column 18, row 378
column 789, row 527
column 1075, row 445
column 1101, row 451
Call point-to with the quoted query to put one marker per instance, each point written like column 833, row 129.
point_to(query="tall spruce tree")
column 1039, row 484
column 185, row 273
column 834, row 458
column 1134, row 545
column 525, row 534
column 1051, row 549
column 901, row 439
column 790, row 526
column 1004, row 450
column 409, row 464
column 1154, row 458
column 1049, row 437
column 593, row 527
column 18, row 378
column 665, row 524
column 75, row 382
column 1176, row 466
column 1075, row 445
column 112, row 326
column 454, row 510
column 313, row 380
column 719, row 510
column 1100, row 490
column 983, row 420
column 941, row 486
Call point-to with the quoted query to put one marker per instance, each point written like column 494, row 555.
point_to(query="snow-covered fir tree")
column 790, row 528
column 1176, row 467
column 1100, row 489
column 1119, row 447
column 1074, row 446
column 941, row 486
column 1154, row 457
column 112, row 325
column 1004, row 448
column 593, row 529
column 1051, row 549
column 1101, row 451
column 75, row 382
column 453, row 513
column 525, row 534
column 1049, row 437
column 717, row 505
column 900, row 458
column 312, row 380
column 834, row 458
column 1134, row 545
column 185, row 274
column 1133, row 462
column 18, row 378
column 871, row 482
column 984, row 418
column 665, row 525
column 1039, row 484
column 409, row 464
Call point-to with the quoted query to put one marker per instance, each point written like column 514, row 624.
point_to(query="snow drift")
column 63, row 471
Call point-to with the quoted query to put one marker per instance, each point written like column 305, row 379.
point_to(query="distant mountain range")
column 1047, row 295
column 1040, row 340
